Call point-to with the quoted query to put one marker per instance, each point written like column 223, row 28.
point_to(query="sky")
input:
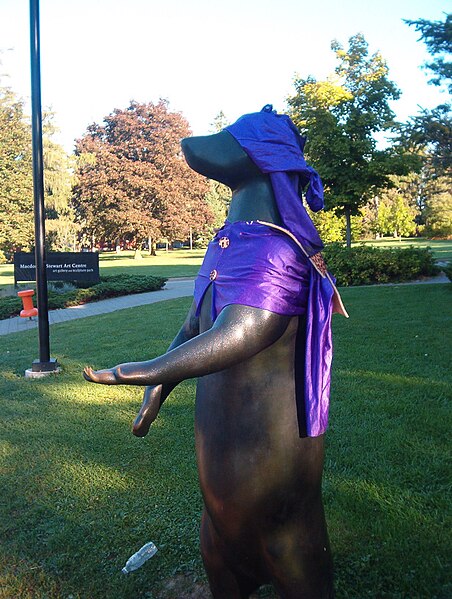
column 203, row 56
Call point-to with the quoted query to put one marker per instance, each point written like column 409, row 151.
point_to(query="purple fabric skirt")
column 253, row 264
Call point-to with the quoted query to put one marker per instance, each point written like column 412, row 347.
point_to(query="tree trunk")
column 151, row 247
column 138, row 255
column 191, row 239
column 348, row 227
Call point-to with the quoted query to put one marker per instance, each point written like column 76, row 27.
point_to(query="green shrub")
column 367, row 265
column 448, row 270
column 9, row 306
column 109, row 286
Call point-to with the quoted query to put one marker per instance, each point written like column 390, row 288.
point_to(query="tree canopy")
column 437, row 36
column 58, row 180
column 431, row 130
column 342, row 117
column 132, row 179
column 16, row 179
column 430, row 133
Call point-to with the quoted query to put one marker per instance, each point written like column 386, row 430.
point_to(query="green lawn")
column 79, row 493
column 186, row 263
column 177, row 263
column 441, row 248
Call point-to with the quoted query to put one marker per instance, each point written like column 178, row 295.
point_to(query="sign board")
column 61, row 266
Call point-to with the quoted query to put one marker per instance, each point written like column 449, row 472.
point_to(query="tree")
column 219, row 195
column 418, row 203
column 132, row 180
column 437, row 36
column 394, row 215
column 218, row 198
column 219, row 122
column 437, row 207
column 430, row 135
column 342, row 117
column 329, row 225
column 394, row 211
column 431, row 130
column 61, row 227
column 16, row 180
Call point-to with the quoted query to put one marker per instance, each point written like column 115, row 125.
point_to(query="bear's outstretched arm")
column 238, row 333
column 154, row 396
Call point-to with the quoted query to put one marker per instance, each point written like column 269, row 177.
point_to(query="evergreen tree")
column 437, row 36
column 16, row 179
column 431, row 131
column 219, row 195
column 61, row 228
column 437, row 206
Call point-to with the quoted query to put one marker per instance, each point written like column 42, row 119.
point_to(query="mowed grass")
column 186, row 263
column 79, row 493
column 175, row 263
column 441, row 248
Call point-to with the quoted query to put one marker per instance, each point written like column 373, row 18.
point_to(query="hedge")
column 367, row 265
column 361, row 265
column 109, row 286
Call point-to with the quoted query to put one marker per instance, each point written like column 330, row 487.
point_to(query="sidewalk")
column 174, row 288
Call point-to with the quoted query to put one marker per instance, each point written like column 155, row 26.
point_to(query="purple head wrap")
column 274, row 144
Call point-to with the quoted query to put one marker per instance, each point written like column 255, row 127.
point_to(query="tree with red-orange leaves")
column 132, row 179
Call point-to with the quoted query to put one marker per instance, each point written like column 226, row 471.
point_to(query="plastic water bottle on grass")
column 136, row 560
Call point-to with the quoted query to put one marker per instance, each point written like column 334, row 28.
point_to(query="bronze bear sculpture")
column 263, row 520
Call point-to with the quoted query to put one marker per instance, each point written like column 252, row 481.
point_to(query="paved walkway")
column 174, row 288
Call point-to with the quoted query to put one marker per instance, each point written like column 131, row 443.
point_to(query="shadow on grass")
column 80, row 493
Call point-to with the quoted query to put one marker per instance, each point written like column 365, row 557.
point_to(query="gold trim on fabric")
column 318, row 263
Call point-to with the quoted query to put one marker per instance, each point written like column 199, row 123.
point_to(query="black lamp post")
column 45, row 363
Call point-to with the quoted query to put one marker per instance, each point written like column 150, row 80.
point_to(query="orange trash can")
column 27, row 299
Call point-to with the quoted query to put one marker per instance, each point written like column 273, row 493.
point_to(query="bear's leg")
column 223, row 581
column 299, row 559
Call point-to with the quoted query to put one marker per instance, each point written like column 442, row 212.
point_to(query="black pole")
column 45, row 363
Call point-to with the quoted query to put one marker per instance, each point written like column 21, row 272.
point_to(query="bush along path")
column 108, row 287
column 173, row 289
column 362, row 265
column 367, row 265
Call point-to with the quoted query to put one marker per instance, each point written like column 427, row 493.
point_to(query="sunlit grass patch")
column 79, row 493
column 441, row 248
column 186, row 263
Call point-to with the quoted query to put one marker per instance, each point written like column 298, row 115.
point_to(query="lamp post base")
column 40, row 369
